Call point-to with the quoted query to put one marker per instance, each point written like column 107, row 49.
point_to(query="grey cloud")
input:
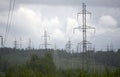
column 115, row 3
column 4, row 4
column 96, row 11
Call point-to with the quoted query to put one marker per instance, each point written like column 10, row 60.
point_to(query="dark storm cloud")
column 4, row 4
column 114, row 3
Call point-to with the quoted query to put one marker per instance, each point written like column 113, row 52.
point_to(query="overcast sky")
column 31, row 17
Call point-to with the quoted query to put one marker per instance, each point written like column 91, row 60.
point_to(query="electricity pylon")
column 45, row 40
column 15, row 44
column 110, row 47
column 30, row 44
column 84, row 29
column 2, row 44
column 20, row 43
column 68, row 46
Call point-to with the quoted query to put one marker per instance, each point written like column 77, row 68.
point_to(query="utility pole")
column 45, row 40
column 2, row 44
column 84, row 28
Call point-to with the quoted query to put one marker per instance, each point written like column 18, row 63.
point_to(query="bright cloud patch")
column 108, row 21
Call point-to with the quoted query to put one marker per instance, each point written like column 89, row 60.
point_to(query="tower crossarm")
column 89, row 27
column 79, row 27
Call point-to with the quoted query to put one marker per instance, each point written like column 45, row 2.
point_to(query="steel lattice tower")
column 45, row 40
column 15, row 44
column 20, row 43
column 30, row 44
column 84, row 26
column 68, row 46
column 84, row 29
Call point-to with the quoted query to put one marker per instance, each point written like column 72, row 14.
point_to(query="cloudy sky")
column 30, row 18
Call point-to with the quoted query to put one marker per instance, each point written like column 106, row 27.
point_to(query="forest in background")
column 57, row 63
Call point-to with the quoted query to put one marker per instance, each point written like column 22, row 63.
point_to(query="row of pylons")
column 18, row 45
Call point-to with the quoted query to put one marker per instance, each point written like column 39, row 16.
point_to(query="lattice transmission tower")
column 46, row 40
column 85, row 44
column 29, row 44
column 84, row 26
column 68, row 46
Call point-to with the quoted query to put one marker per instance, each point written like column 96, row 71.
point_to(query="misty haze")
column 59, row 38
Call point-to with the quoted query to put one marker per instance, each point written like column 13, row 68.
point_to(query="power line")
column 9, row 18
column 11, row 15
